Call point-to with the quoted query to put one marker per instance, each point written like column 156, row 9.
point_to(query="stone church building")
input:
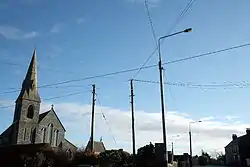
column 31, row 127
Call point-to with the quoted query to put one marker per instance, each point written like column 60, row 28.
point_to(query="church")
column 31, row 127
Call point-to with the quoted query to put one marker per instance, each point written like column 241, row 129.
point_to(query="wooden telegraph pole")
column 133, row 120
column 92, row 120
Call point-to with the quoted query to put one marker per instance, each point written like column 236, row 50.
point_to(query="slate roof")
column 41, row 116
column 98, row 146
column 235, row 141
column 70, row 143
column 7, row 131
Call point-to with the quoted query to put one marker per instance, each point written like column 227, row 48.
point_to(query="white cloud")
column 207, row 118
column 80, row 20
column 56, row 28
column 208, row 135
column 231, row 117
column 13, row 33
column 30, row 35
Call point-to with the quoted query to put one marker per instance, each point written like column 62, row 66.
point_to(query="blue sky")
column 78, row 39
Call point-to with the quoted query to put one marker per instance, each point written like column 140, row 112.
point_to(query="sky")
column 79, row 39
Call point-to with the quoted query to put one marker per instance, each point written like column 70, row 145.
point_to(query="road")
column 211, row 166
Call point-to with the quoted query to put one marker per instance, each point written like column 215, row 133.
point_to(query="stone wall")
column 24, row 132
column 25, row 124
column 66, row 145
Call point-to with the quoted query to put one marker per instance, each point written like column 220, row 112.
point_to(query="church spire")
column 32, row 70
column 29, row 87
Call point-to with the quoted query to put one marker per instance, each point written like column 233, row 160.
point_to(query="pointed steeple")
column 29, row 86
column 32, row 70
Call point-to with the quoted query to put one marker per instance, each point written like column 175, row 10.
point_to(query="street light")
column 175, row 137
column 190, row 141
column 162, row 93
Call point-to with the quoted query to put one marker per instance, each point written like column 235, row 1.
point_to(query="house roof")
column 43, row 115
column 98, row 146
column 7, row 131
column 70, row 143
column 235, row 141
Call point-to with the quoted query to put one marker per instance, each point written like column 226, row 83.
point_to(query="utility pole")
column 133, row 120
column 162, row 106
column 190, row 147
column 92, row 120
column 172, row 153
column 190, row 142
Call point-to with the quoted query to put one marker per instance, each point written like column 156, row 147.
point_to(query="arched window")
column 69, row 153
column 33, row 136
column 56, row 137
column 43, row 135
column 30, row 113
column 24, row 134
column 50, row 133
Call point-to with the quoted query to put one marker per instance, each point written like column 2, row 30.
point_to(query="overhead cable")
column 135, row 69
column 179, row 18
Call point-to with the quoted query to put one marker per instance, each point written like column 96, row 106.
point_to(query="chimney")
column 248, row 131
column 234, row 136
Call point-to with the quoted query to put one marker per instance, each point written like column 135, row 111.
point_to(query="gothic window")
column 43, row 135
column 24, row 134
column 30, row 113
column 33, row 136
column 56, row 137
column 69, row 153
column 50, row 133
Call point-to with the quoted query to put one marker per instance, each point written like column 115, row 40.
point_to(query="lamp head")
column 188, row 30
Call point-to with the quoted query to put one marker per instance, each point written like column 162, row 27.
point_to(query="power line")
column 149, row 66
column 135, row 69
column 204, row 86
column 86, row 78
column 66, row 95
column 169, row 89
column 12, row 91
column 2, row 107
column 182, row 15
column 13, row 64
column 155, row 39
column 104, row 117
column 50, row 98
column 40, row 68
column 169, row 31
column 206, row 54
column 49, row 87
column 150, row 21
